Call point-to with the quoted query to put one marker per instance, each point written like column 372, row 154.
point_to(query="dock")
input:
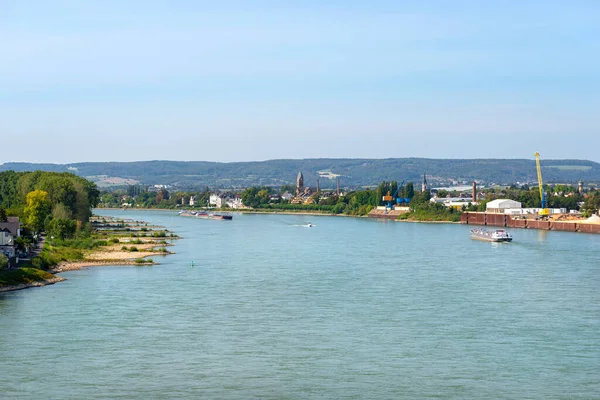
column 529, row 222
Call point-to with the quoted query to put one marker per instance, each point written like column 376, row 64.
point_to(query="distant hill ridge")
column 353, row 172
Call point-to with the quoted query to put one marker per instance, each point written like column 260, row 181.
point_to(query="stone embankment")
column 508, row 221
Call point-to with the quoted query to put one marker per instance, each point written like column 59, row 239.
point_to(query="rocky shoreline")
column 77, row 265
column 10, row 288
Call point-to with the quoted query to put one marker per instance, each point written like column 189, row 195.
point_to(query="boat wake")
column 308, row 225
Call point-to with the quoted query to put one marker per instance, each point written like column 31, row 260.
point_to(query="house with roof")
column 9, row 232
column 287, row 196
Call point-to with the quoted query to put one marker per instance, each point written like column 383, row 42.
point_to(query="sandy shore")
column 112, row 255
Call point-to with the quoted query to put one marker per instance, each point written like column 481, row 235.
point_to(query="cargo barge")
column 497, row 235
column 205, row 215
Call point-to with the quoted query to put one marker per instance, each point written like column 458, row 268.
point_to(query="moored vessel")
column 497, row 235
column 205, row 215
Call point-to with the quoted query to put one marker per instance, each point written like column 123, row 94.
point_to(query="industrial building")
column 502, row 205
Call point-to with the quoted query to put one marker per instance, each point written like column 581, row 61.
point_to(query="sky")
column 247, row 80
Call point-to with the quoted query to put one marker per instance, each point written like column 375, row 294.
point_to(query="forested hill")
column 351, row 172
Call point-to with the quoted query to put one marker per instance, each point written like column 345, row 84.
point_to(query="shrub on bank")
column 23, row 275
column 52, row 255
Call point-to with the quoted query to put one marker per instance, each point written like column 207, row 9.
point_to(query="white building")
column 534, row 211
column 215, row 200
column 502, row 206
column 235, row 202
column 454, row 202
column 192, row 200
column 9, row 232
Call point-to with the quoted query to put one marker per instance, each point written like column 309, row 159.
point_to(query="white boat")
column 498, row 235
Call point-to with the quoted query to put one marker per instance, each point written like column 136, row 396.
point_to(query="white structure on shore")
column 454, row 202
column 502, row 205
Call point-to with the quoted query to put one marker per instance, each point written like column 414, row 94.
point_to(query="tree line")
column 58, row 203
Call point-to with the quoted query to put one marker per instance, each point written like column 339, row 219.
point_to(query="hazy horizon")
column 295, row 159
column 233, row 81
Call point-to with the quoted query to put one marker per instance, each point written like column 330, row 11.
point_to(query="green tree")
column 3, row 216
column 62, row 228
column 249, row 197
column 37, row 209
column 162, row 195
column 3, row 262
column 287, row 188
column 60, row 211
column 442, row 193
column 262, row 197
column 409, row 190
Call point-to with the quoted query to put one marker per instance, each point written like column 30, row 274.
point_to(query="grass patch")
column 24, row 275
column 52, row 255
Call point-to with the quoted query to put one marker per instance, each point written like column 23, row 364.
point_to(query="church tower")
column 424, row 187
column 299, row 183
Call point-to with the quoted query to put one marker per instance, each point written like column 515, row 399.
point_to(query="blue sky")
column 256, row 80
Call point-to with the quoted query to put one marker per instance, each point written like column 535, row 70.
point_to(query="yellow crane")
column 544, row 210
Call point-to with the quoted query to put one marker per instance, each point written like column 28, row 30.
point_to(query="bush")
column 125, row 248
column 133, row 248
column 114, row 240
column 51, row 256
column 3, row 261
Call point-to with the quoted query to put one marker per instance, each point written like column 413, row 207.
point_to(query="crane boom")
column 545, row 210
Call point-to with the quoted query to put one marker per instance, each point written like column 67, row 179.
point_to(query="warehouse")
column 500, row 205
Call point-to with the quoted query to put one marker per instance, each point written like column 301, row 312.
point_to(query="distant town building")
column 453, row 202
column 502, row 205
column 424, row 186
column 287, row 196
column 303, row 194
column 9, row 232
column 192, row 200
column 234, row 201
column 215, row 200
column 299, row 184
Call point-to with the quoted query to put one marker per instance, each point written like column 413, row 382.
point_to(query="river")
column 262, row 307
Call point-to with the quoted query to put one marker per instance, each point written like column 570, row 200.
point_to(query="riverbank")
column 289, row 212
column 24, row 278
column 114, row 242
